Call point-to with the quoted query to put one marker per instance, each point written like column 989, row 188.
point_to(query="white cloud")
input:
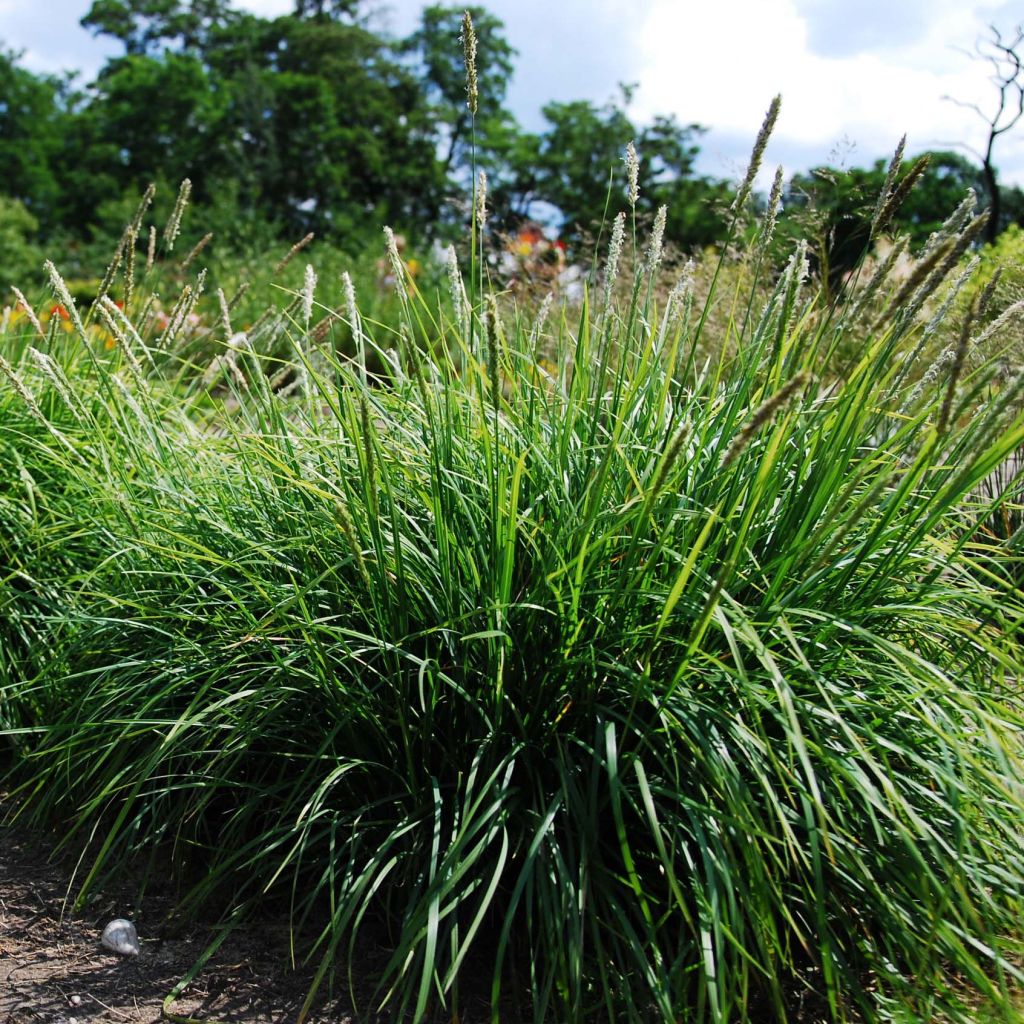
column 721, row 63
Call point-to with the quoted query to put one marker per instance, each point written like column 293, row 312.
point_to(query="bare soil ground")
column 53, row 969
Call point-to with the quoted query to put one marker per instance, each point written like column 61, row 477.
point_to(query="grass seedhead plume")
column 293, row 252
column 173, row 227
column 53, row 372
column 196, row 250
column 456, row 289
column 151, row 248
column 481, row 201
column 652, row 257
column 611, row 267
column 60, row 289
column 887, row 186
column 394, row 257
column 899, row 194
column 110, row 315
column 225, row 313
column 1009, row 315
column 763, row 414
column 757, row 154
column 468, row 39
column 632, row 175
column 30, row 313
column 772, row 212
column 21, row 389
column 956, row 369
column 308, row 294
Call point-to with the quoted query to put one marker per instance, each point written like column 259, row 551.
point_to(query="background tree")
column 437, row 50
column 143, row 25
column 573, row 163
column 832, row 207
column 32, row 121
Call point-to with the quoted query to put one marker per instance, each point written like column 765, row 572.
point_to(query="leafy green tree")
column 20, row 259
column 143, row 26
column 346, row 131
column 576, row 166
column 438, row 50
column 833, row 207
column 32, row 121
column 320, row 9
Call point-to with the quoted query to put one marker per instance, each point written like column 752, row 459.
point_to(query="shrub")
column 636, row 684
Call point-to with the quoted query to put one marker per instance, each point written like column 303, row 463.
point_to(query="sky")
column 850, row 85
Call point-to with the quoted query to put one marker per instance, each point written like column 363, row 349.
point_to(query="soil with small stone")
column 53, row 969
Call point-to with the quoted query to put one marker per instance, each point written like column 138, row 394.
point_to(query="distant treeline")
column 317, row 121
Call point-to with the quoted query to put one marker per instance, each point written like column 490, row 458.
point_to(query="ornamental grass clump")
column 613, row 684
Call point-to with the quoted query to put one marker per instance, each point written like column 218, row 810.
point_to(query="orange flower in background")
column 58, row 310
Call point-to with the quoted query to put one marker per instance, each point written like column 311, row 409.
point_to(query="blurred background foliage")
column 316, row 121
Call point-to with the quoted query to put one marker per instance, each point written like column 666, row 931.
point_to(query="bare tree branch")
column 1007, row 63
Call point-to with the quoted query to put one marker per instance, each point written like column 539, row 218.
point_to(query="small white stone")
column 75, row 1000
column 121, row 937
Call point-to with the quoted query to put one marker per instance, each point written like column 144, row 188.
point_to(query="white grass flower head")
column 468, row 38
column 758, row 152
column 798, row 266
column 21, row 390
column 652, row 258
column 676, row 300
column 890, row 180
column 57, row 378
column 29, row 312
column 611, row 267
column 308, row 291
column 394, row 256
column 173, row 228
column 60, row 289
column 632, row 174
column 481, row 201
column 455, row 287
column 351, row 308
column 772, row 213
column 540, row 320
column 293, row 252
column 225, row 313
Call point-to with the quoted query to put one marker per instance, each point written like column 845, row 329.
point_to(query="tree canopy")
column 316, row 120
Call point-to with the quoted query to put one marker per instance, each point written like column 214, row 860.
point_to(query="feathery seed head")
column 394, row 257
column 758, row 152
column 652, row 258
column 763, row 414
column 196, row 250
column 481, row 201
column 30, row 313
column 890, row 180
column 468, row 37
column 772, row 213
column 225, row 312
column 21, row 390
column 173, row 227
column 455, row 286
column 293, row 252
column 60, row 289
column 611, row 267
column 56, row 377
column 632, row 175
column 308, row 290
